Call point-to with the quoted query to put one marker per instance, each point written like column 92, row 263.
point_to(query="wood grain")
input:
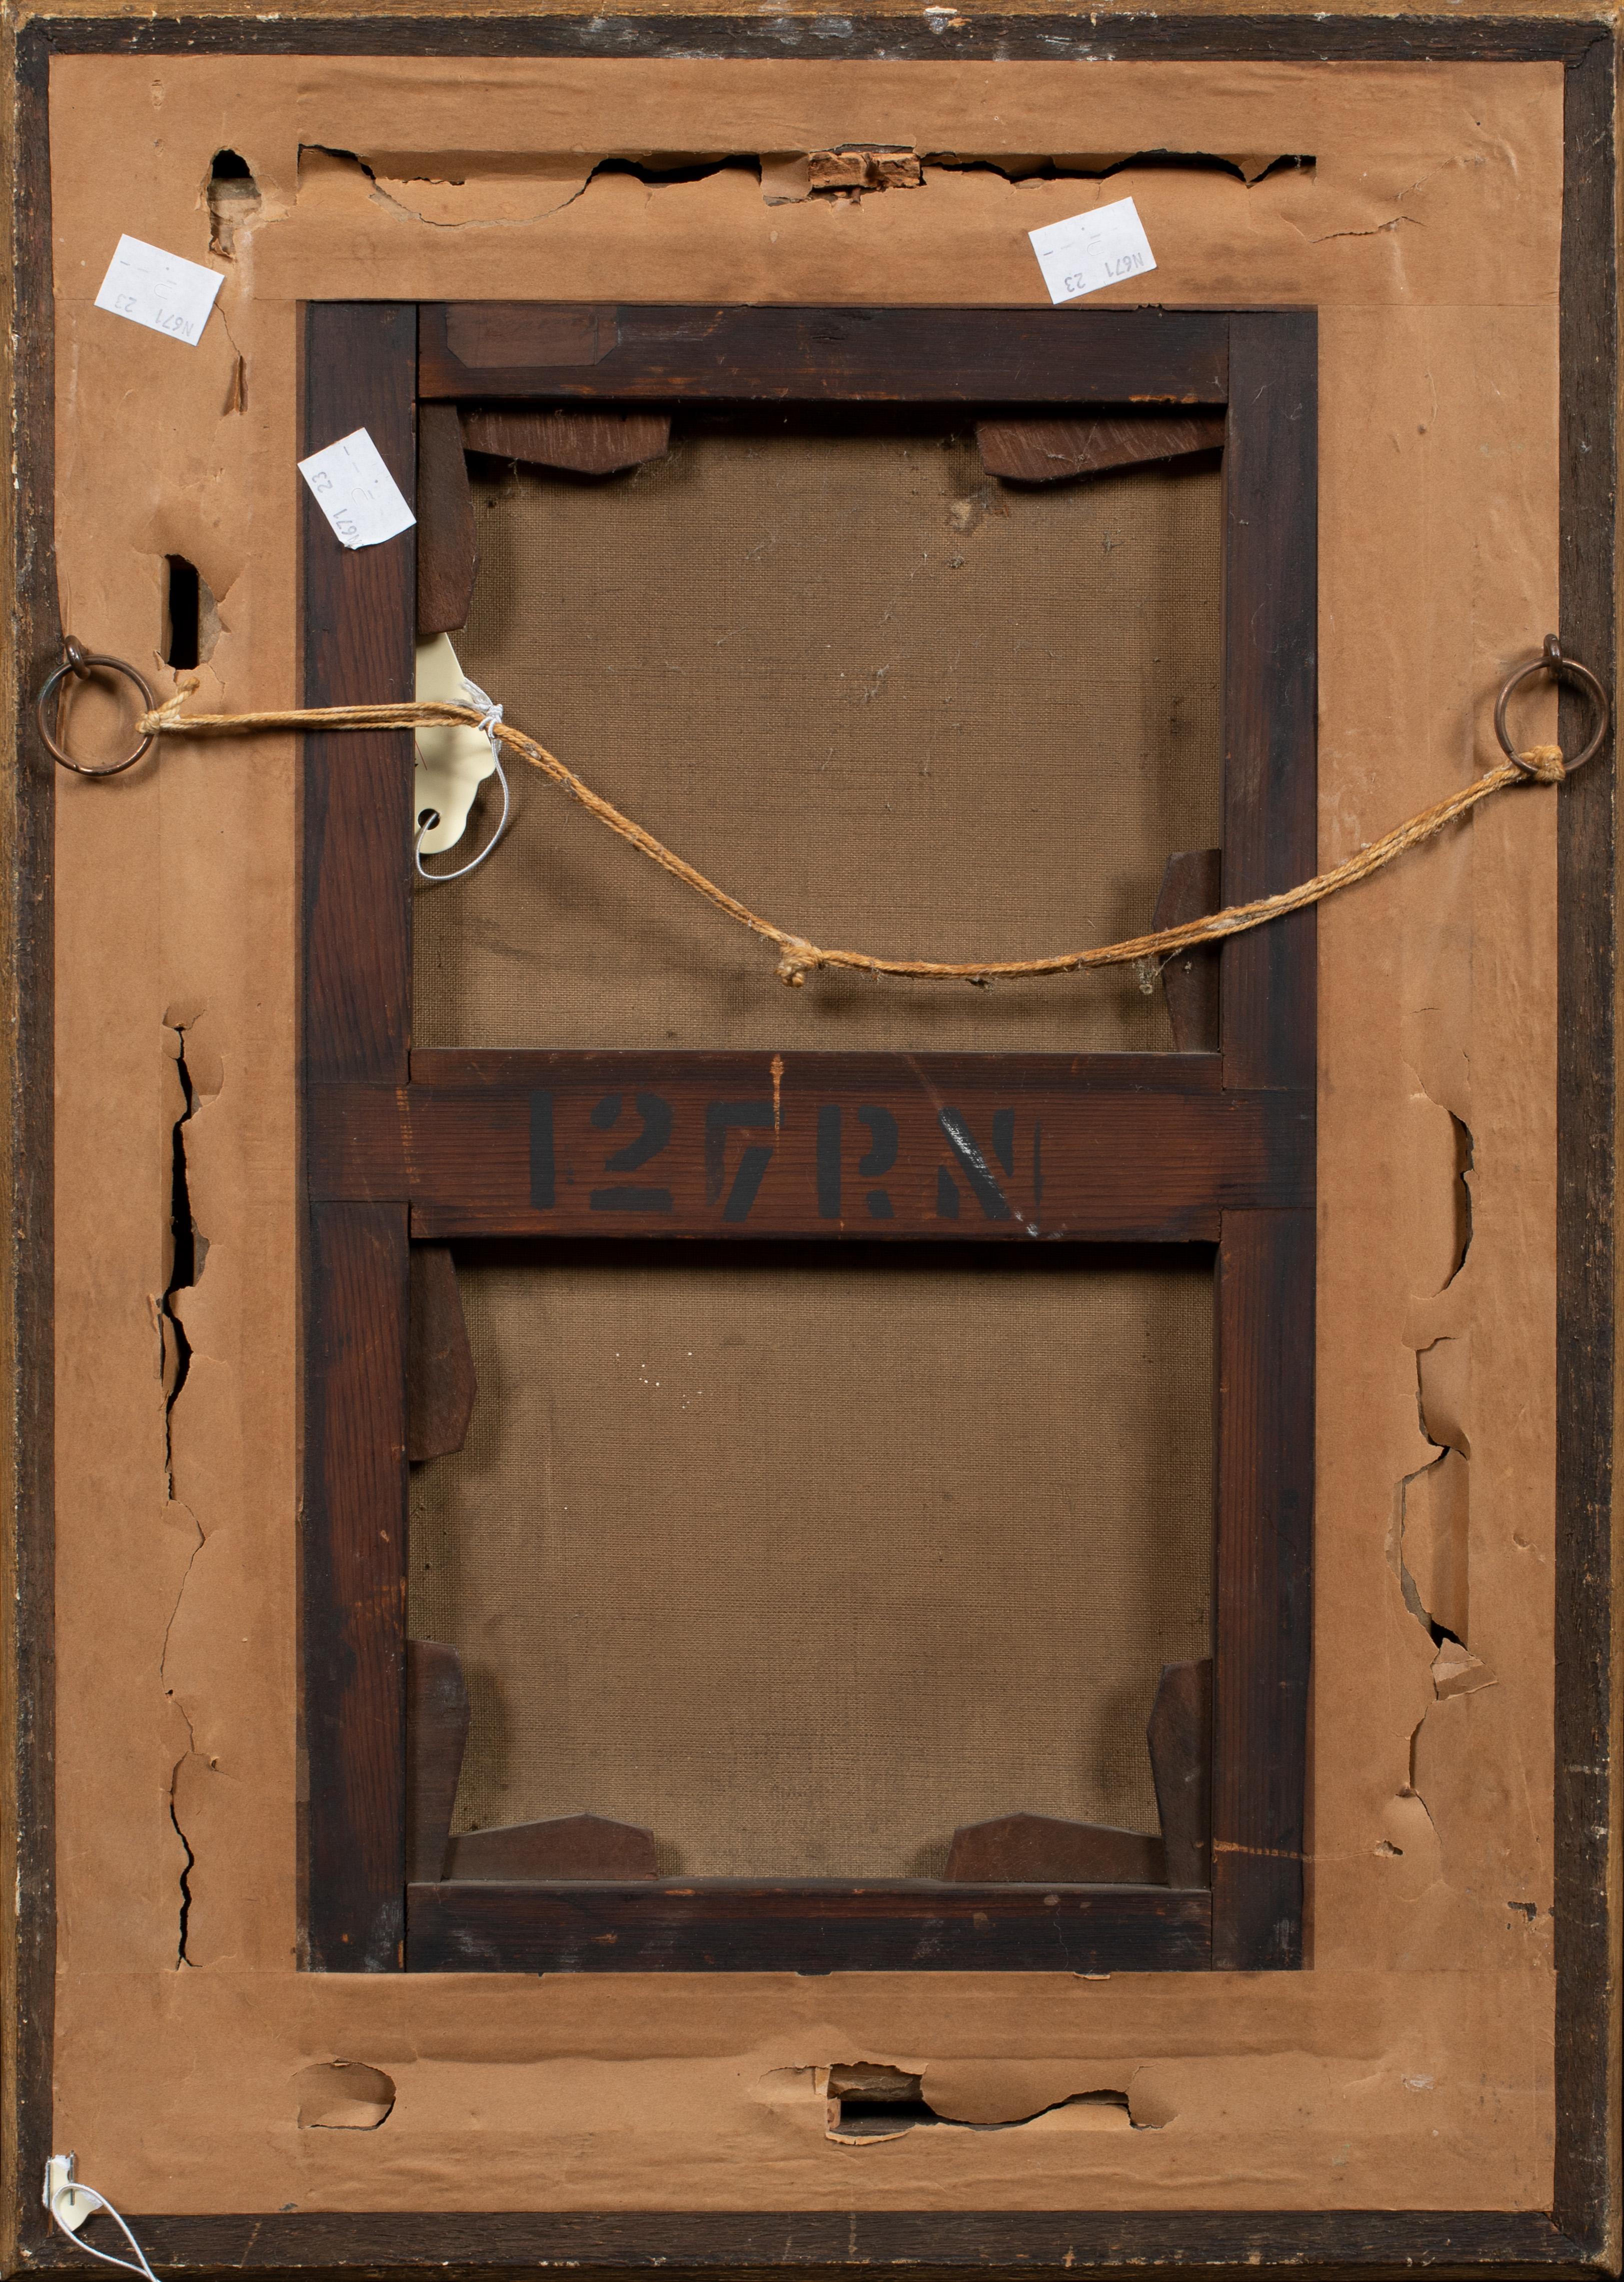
column 436, row 1738
column 447, row 544
column 309, row 27
column 572, row 1846
column 440, row 1385
column 1263, row 1614
column 580, row 443
column 1057, row 451
column 359, row 616
column 996, row 1148
column 1270, row 807
column 820, row 1925
column 27, row 1542
column 1023, row 1848
column 354, row 1597
column 1179, row 1736
column 472, row 350
column 1192, row 886
column 1590, row 2192
column 1063, row 2246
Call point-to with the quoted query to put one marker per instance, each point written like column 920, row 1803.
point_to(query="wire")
column 74, row 2188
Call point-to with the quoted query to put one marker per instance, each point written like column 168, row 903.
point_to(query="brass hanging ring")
column 81, row 664
column 1551, row 660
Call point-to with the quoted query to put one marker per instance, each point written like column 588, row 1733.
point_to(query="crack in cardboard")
column 163, row 1660
column 181, row 1957
column 1375, row 230
column 184, row 1264
column 1409, row 1791
column 785, row 177
column 188, row 1250
column 1100, row 167
column 1441, row 1483
column 1448, row 1673
column 871, row 2102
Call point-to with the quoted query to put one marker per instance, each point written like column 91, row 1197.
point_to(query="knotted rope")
column 798, row 958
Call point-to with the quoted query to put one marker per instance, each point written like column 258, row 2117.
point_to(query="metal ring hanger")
column 82, row 664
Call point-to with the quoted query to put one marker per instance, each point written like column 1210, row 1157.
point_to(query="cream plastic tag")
column 452, row 762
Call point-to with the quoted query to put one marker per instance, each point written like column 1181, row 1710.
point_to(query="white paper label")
column 1092, row 250
column 151, row 287
column 355, row 491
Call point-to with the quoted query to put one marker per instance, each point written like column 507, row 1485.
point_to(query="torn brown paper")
column 1411, row 2066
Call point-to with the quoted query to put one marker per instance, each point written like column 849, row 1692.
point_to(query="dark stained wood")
column 1179, row 1736
column 820, row 1925
column 1054, row 451
column 436, row 1738
column 1263, row 1615
column 1192, row 886
column 1025, row 1848
column 440, row 1386
column 581, row 443
column 354, row 1597
column 495, row 349
column 572, row 1846
column 360, row 616
column 994, row 1147
column 27, row 1543
column 1118, row 1148
column 1064, row 2246
column 1270, row 811
column 1587, row 2185
column 875, row 37
column 1114, row 1148
column 447, row 544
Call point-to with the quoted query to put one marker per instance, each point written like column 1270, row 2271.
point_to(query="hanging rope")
column 797, row 956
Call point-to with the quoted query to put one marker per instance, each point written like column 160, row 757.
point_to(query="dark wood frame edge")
column 1582, row 2241
column 27, row 814
column 872, row 37
column 1587, row 2203
column 752, row 2245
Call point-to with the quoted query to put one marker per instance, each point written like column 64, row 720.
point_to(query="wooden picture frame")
column 1576, row 2237
column 401, row 1144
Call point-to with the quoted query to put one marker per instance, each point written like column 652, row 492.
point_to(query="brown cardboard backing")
column 1411, row 2066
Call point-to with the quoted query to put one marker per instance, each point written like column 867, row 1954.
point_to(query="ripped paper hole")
column 163, row 291
column 355, row 491
column 344, row 2096
column 1089, row 251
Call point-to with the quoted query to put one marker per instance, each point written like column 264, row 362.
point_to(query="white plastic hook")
column 71, row 2202
column 490, row 714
